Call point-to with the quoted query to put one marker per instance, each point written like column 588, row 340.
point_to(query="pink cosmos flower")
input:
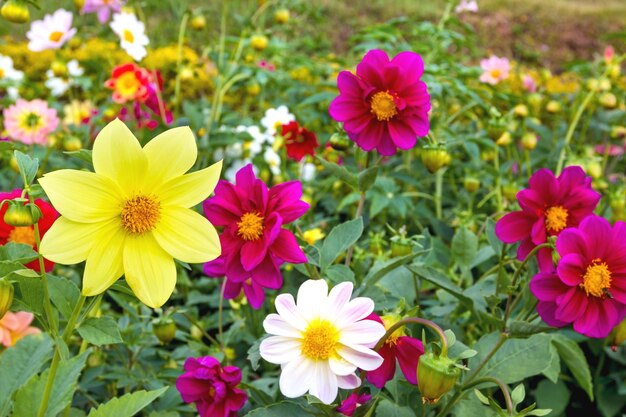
column 588, row 287
column 103, row 8
column 467, row 6
column 51, row 32
column 407, row 350
column 385, row 105
column 350, row 404
column 549, row 206
column 494, row 70
column 14, row 326
column 529, row 83
column 254, row 242
column 30, row 122
column 212, row 387
column 613, row 150
column 609, row 54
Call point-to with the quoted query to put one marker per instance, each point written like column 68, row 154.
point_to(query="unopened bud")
column 164, row 329
column 281, row 16
column 435, row 158
column 259, row 42
column 18, row 214
column 339, row 142
column 529, row 141
column 15, row 11
column 198, row 22
column 521, row 110
column 608, row 100
column 553, row 106
column 471, row 184
column 436, row 375
column 6, row 296
column 505, row 139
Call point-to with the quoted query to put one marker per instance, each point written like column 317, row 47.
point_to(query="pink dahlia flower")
column 385, row 105
column 407, row 350
column 495, row 69
column 212, row 387
column 52, row 32
column 254, row 242
column 15, row 326
column 350, row 404
column 549, row 206
column 30, row 122
column 588, row 287
column 103, row 8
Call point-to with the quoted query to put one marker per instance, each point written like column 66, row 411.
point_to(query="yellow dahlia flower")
column 132, row 215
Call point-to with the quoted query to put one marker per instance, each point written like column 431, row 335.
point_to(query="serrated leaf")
column 339, row 240
column 576, row 361
column 63, row 388
column 64, row 294
column 282, row 409
column 464, row 247
column 254, row 354
column 27, row 165
column 127, row 405
column 18, row 252
column 339, row 273
column 340, row 172
column 100, row 331
column 19, row 363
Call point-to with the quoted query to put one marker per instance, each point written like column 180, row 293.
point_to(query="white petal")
column 360, row 356
column 277, row 325
column 324, row 384
column 348, row 381
column 355, row 310
column 364, row 332
column 340, row 366
column 296, row 377
column 337, row 299
column 279, row 349
column 286, row 307
column 311, row 297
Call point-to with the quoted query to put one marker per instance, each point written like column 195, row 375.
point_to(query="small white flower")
column 58, row 85
column 7, row 72
column 13, row 93
column 51, row 32
column 322, row 340
column 231, row 173
column 467, row 6
column 132, row 33
column 74, row 69
column 307, row 172
column 274, row 118
column 273, row 160
column 259, row 138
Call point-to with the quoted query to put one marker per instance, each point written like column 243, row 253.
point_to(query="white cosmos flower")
column 275, row 118
column 273, row 160
column 132, row 33
column 51, row 32
column 322, row 340
column 307, row 172
column 59, row 85
column 7, row 71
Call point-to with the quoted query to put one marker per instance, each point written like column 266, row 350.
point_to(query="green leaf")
column 366, row 178
column 340, row 172
column 65, row 382
column 518, row 395
column 254, row 354
column 388, row 409
column 30, row 293
column 64, row 294
column 339, row 240
column 554, row 396
column 28, row 167
column 19, row 364
column 441, row 281
column 127, row 405
column 82, row 154
column 100, row 331
column 282, row 409
column 575, row 360
column 339, row 273
column 18, row 252
column 516, row 360
column 464, row 247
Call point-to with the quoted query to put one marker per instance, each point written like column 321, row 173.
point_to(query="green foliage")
column 339, row 240
column 100, row 331
column 127, row 405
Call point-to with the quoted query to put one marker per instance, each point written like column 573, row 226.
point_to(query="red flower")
column 26, row 234
column 404, row 348
column 299, row 141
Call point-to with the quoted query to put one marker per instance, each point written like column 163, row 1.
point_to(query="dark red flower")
column 299, row 141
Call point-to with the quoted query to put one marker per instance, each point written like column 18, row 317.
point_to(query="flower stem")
column 438, row 193
column 499, row 383
column 220, row 310
column 418, row 320
column 571, row 128
column 179, row 59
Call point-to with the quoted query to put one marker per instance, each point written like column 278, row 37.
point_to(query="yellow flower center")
column 128, row 36
column 140, row 214
column 383, row 106
column 31, row 121
column 389, row 321
column 56, row 36
column 597, row 279
column 24, row 234
column 496, row 73
column 127, row 84
column 319, row 340
column 250, row 226
column 1, row 73
column 556, row 218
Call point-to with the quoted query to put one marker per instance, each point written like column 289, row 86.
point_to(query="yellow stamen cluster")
column 128, row 36
column 556, row 218
column 495, row 73
column 24, row 234
column 250, row 226
column 56, row 36
column 140, row 214
column 389, row 320
column 319, row 340
column 383, row 106
column 597, row 279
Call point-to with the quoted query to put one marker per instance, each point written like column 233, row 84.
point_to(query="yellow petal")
column 190, row 189
column 170, row 154
column 150, row 271
column 68, row 242
column 118, row 155
column 187, row 235
column 82, row 196
column 104, row 263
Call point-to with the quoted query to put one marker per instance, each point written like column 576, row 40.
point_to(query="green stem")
column 418, row 320
column 220, row 309
column 179, row 59
column 571, row 128
column 438, row 193
column 496, row 163
column 503, row 337
column 499, row 383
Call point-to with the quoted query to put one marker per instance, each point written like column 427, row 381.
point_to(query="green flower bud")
column 436, row 375
column 618, row 335
column 164, row 329
column 435, row 158
column 6, row 296
column 15, row 11
column 339, row 142
column 401, row 247
column 18, row 214
column 471, row 184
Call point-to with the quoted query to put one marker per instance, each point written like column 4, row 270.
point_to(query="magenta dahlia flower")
column 352, row 402
column 254, row 242
column 212, row 387
column 385, row 105
column 407, row 350
column 588, row 287
column 549, row 206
